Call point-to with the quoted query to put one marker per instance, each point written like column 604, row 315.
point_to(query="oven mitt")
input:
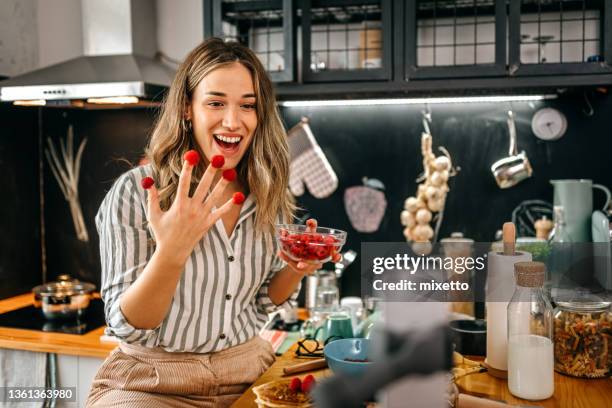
column 309, row 166
column 365, row 205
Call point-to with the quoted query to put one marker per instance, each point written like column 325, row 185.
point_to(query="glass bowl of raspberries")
column 307, row 243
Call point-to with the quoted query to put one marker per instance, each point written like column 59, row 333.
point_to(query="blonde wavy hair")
column 264, row 168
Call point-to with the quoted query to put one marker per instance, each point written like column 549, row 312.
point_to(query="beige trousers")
column 135, row 376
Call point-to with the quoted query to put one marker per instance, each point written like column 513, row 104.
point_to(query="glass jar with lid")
column 583, row 333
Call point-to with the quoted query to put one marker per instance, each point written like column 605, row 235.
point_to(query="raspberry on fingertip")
column 192, row 157
column 229, row 175
column 238, row 198
column 217, row 161
column 147, row 182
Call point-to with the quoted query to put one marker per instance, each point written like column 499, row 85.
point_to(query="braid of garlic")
column 430, row 197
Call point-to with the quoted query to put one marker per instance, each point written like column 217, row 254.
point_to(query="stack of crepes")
column 278, row 394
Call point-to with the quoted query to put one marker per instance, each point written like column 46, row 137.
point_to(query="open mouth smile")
column 228, row 144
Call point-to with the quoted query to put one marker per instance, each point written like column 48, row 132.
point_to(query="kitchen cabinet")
column 267, row 27
column 357, row 48
column 454, row 39
column 78, row 372
column 78, row 357
column 560, row 37
column 346, row 41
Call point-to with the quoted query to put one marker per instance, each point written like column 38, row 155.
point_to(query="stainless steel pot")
column 65, row 298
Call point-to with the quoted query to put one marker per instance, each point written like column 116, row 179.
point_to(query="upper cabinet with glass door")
column 550, row 37
column 346, row 40
column 267, row 27
column 340, row 47
column 455, row 38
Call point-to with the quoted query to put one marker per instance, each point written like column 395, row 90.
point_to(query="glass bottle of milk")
column 530, row 335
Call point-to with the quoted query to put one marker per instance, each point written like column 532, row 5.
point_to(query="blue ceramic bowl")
column 338, row 351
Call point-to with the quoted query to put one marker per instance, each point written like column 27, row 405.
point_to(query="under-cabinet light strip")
column 114, row 99
column 33, row 102
column 418, row 101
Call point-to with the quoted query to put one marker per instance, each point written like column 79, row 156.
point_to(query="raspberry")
column 192, row 157
column 229, row 174
column 295, row 385
column 322, row 252
column 329, row 239
column 308, row 383
column 217, row 161
column 238, row 198
column 147, row 182
column 311, row 224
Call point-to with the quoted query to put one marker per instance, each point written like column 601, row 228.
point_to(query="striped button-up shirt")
column 221, row 299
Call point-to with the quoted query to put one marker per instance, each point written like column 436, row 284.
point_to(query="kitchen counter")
column 569, row 392
column 88, row 344
column 275, row 372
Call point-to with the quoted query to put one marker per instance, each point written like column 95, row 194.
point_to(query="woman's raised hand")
column 180, row 228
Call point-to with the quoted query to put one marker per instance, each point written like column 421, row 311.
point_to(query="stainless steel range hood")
column 119, row 47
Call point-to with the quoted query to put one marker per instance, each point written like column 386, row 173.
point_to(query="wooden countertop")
column 88, row 344
column 569, row 392
column 275, row 372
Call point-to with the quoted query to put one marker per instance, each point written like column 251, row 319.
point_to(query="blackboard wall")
column 380, row 142
column 20, row 254
column 115, row 143
column 383, row 142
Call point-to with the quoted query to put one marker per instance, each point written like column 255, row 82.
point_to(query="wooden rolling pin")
column 307, row 366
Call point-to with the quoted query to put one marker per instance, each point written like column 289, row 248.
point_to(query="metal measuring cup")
column 515, row 168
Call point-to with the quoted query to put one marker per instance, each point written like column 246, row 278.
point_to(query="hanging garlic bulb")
column 423, row 216
column 430, row 198
column 442, row 163
column 408, row 219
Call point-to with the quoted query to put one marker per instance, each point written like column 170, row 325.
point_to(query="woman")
column 190, row 268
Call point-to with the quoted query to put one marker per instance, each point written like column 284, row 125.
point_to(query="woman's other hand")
column 307, row 268
column 180, row 228
column 302, row 268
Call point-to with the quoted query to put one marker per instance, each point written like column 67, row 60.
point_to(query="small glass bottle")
column 328, row 295
column 530, row 336
column 560, row 233
column 560, row 257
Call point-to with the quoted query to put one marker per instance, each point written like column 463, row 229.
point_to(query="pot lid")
column 64, row 286
column 456, row 238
